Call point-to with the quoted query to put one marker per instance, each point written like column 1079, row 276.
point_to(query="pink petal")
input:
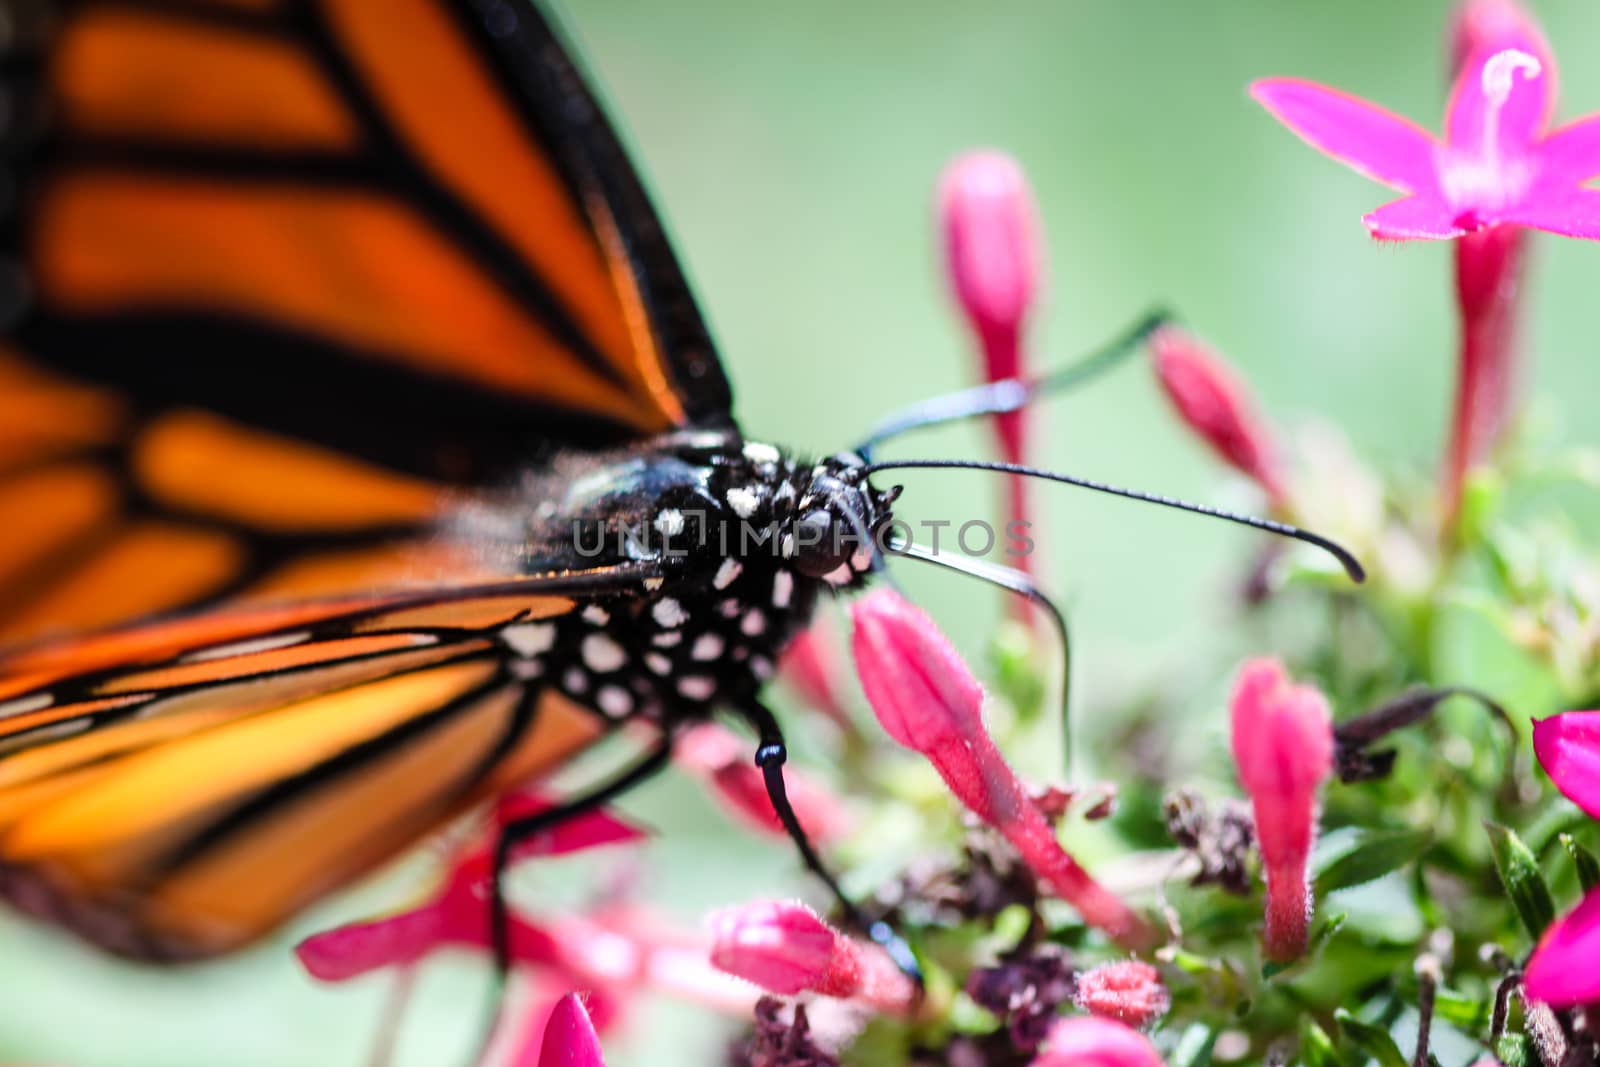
column 810, row 666
column 1573, row 214
column 1471, row 114
column 1570, row 156
column 355, row 949
column 1561, row 972
column 1414, row 218
column 1087, row 1041
column 1376, row 142
column 591, row 829
column 569, row 1037
column 1568, row 747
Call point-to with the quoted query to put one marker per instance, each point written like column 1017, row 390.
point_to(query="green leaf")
column 1373, row 1040
column 1316, row 1047
column 1370, row 858
column 1194, row 1047
column 1464, row 1012
column 1588, row 867
column 1519, row 873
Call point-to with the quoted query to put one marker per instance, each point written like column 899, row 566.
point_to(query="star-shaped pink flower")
column 1495, row 163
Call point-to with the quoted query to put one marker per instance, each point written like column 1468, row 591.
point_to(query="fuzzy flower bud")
column 810, row 667
column 1128, row 991
column 991, row 240
column 1561, row 972
column 928, row 701
column 1087, row 1041
column 1214, row 402
column 1283, row 748
column 1568, row 747
column 786, row 949
column 569, row 1037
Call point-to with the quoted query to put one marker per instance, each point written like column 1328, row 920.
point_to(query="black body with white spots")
column 734, row 542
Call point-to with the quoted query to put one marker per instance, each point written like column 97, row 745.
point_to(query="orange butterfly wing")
column 296, row 273
column 178, row 790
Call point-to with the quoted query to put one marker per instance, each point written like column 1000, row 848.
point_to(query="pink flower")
column 1128, row 991
column 928, row 701
column 1217, row 406
column 724, row 762
column 1283, row 746
column 1495, row 163
column 991, row 238
column 569, row 1038
column 457, row 914
column 1087, row 1041
column 1561, row 972
column 785, row 949
column 810, row 667
column 1568, row 747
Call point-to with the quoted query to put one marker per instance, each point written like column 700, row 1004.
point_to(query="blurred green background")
column 794, row 148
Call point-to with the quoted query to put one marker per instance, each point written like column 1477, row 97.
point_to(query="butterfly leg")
column 647, row 767
column 771, row 755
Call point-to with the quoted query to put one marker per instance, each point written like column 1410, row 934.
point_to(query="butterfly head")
column 837, row 526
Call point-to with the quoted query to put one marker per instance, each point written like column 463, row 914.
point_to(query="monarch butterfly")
column 362, row 452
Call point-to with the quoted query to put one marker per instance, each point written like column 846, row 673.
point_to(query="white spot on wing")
column 652, row 584
column 754, row 623
column 596, row 614
column 707, row 647
column 529, row 638
column 527, row 669
column 668, row 612
column 727, row 573
column 667, row 640
column 670, row 522
column 761, row 667
column 782, row 589
column 575, row 681
column 657, row 663
column 602, row 654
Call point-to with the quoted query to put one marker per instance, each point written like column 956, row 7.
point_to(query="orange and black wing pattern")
column 285, row 275
column 175, row 791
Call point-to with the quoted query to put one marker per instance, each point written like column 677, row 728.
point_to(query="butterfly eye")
column 823, row 542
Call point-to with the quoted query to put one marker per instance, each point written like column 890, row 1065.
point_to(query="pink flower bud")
column 991, row 236
column 1128, row 991
column 928, row 701
column 569, row 1037
column 1283, row 746
column 725, row 762
column 1213, row 401
column 1087, row 1041
column 810, row 667
column 786, row 949
column 1568, row 747
column 1561, row 972
column 992, row 252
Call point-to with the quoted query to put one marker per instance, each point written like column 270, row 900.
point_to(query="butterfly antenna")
column 1018, row 582
column 1351, row 565
column 1013, row 394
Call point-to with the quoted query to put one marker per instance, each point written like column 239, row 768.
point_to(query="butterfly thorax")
column 733, row 541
